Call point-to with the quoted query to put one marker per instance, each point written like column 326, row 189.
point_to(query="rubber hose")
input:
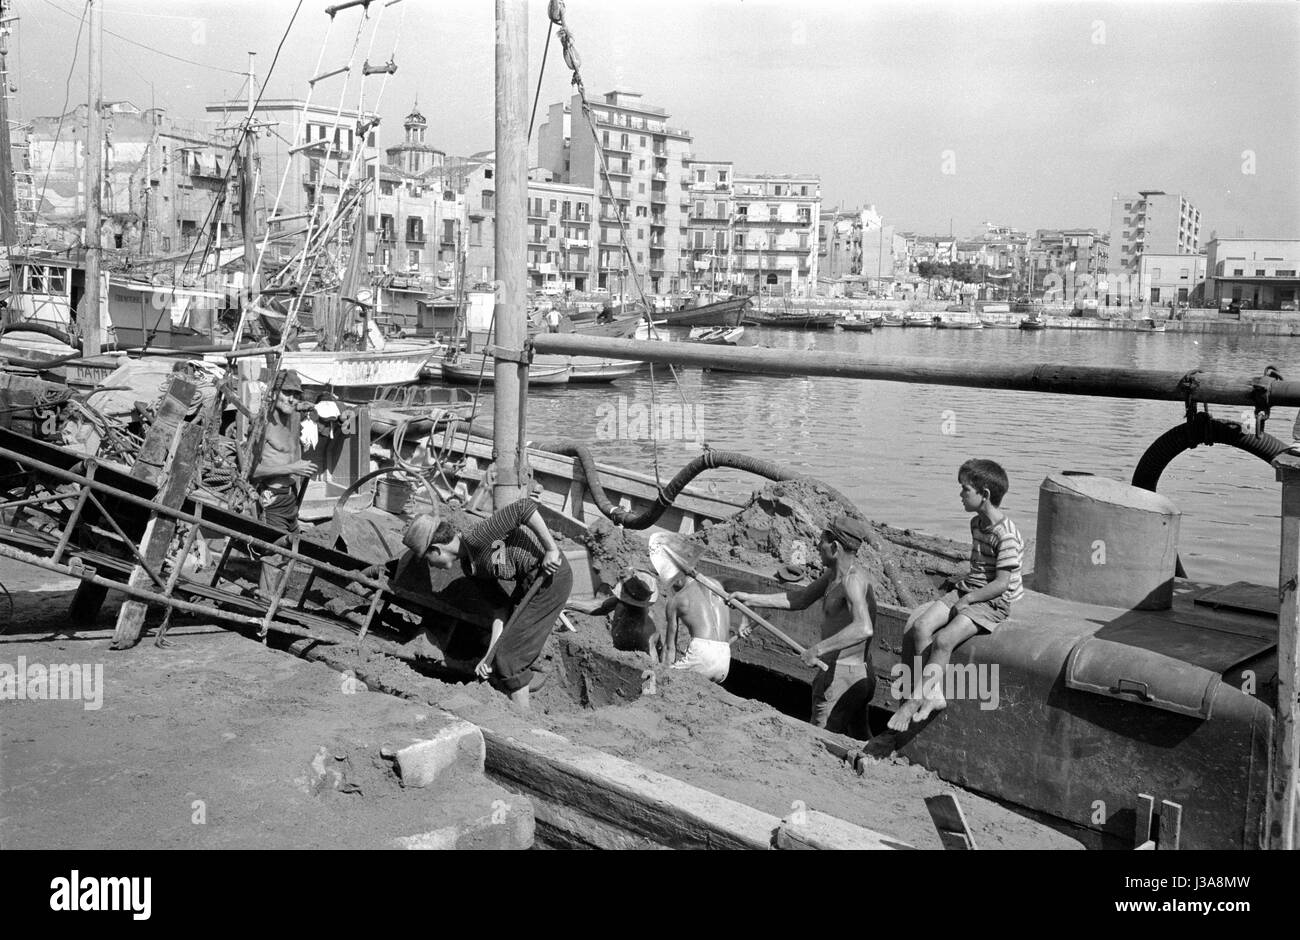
column 709, row 460
column 1202, row 430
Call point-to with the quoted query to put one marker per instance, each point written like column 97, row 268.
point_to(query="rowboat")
column 471, row 370
column 716, row 335
column 396, row 364
column 1034, row 322
column 792, row 320
column 917, row 321
column 857, row 326
column 1151, row 325
column 958, row 321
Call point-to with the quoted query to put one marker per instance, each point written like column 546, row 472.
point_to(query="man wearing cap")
column 842, row 693
column 278, row 470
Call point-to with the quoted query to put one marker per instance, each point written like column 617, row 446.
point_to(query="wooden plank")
column 812, row 829
column 1282, row 816
column 158, row 533
column 950, row 822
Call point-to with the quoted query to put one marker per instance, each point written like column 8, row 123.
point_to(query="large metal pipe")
column 511, row 247
column 1208, row 387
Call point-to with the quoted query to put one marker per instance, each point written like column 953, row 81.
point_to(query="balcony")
column 658, row 196
column 616, row 148
column 415, row 238
column 619, row 171
column 576, row 243
column 657, row 221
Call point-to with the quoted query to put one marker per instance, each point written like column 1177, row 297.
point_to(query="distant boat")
column 918, row 320
column 1035, row 321
column 958, row 320
column 792, row 320
column 1151, row 325
column 857, row 326
column 716, row 335
column 587, row 370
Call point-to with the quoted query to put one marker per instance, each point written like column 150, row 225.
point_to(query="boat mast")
column 9, row 232
column 246, row 194
column 90, row 310
column 510, row 372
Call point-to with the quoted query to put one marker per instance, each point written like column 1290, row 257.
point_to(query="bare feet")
column 902, row 718
column 932, row 704
column 520, row 698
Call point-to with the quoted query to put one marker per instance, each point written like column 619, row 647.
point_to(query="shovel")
column 668, row 563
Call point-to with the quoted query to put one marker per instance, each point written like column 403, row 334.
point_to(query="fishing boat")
column 395, row 364
column 584, row 370
column 855, row 324
column 792, row 320
column 1035, row 321
column 915, row 321
column 1151, row 325
column 716, row 335
column 729, row 311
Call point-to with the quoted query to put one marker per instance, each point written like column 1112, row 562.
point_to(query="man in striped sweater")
column 515, row 549
column 978, row 602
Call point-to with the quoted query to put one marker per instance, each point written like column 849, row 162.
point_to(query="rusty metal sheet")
column 1241, row 596
column 1182, row 638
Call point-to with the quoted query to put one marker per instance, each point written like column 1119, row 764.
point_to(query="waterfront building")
column 1259, row 272
column 559, row 234
column 1163, row 279
column 1151, row 222
column 1085, row 250
column 314, row 144
column 711, row 224
column 635, row 165
column 161, row 180
column 775, row 240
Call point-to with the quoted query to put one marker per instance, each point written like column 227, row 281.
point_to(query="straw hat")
column 419, row 534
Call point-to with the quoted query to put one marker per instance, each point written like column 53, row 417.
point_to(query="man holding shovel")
column 695, row 602
column 842, row 692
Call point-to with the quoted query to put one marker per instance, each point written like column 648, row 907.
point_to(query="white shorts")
column 710, row 658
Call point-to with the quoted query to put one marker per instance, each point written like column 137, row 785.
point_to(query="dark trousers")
column 528, row 627
column 279, row 510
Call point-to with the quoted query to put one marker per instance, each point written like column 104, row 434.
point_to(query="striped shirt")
column 502, row 546
column 994, row 548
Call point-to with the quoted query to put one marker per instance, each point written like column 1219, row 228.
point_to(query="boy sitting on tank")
column 979, row 602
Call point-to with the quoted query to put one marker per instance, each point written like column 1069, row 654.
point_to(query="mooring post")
column 1281, row 817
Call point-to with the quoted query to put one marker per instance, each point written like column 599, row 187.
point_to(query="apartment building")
column 778, row 219
column 711, row 223
column 635, row 165
column 559, row 234
column 1152, row 221
column 1084, row 250
column 1260, row 272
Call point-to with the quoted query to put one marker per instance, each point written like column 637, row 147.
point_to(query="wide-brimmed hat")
column 791, row 574
column 291, row 382
column 638, row 589
column 849, row 532
column 419, row 534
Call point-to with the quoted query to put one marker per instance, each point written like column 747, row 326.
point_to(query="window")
column 487, row 173
column 413, row 258
column 641, row 212
column 1238, row 272
column 699, row 209
column 722, row 177
column 1259, row 272
column 488, row 198
column 720, row 209
column 742, row 212
column 803, row 190
column 803, row 239
column 699, row 176
column 1285, row 273
column 624, row 141
column 370, row 222
column 772, row 212
column 554, row 205
column 640, row 233
column 449, row 231
column 1182, row 273
column 738, row 242
column 640, row 164
column 639, row 257
column 640, row 188
column 604, row 138
column 699, row 239
column 476, row 232
column 643, row 144
column 552, row 232
column 776, row 190
column 1155, row 295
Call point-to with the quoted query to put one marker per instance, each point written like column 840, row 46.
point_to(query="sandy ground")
column 216, row 743
column 177, row 722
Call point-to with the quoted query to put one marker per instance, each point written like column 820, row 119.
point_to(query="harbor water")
column 895, row 448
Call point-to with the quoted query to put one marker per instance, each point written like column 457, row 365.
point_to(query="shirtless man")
column 841, row 694
column 634, row 619
column 277, row 473
column 706, row 617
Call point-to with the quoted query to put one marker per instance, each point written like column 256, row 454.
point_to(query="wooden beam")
column 1057, row 378
column 1281, row 816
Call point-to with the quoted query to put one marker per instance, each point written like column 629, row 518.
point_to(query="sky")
column 941, row 114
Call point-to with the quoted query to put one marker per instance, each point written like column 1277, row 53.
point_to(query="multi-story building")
column 162, row 180
column 1260, row 272
column 775, row 242
column 1087, row 249
column 1155, row 222
column 635, row 166
column 559, row 234
column 711, row 223
column 933, row 249
column 859, row 243
column 313, row 144
column 1170, row 279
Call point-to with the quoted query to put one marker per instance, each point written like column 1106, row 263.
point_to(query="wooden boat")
column 587, row 370
column 917, row 321
column 727, row 312
column 857, row 326
column 793, row 320
column 396, row 364
column 1151, row 325
column 473, row 369
column 958, row 321
column 716, row 335
column 1034, row 321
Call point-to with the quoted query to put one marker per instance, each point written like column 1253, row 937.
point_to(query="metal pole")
column 511, row 247
column 9, row 234
column 246, row 196
column 1211, row 388
column 90, row 312
column 1282, row 813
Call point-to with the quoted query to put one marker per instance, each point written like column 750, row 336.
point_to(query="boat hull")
column 720, row 313
column 475, row 370
column 325, row 369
